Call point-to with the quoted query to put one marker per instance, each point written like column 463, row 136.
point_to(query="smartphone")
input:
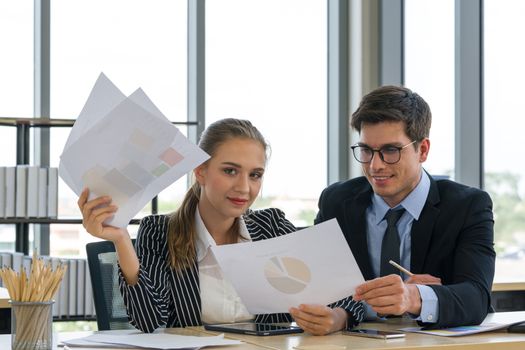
column 373, row 333
column 517, row 328
column 253, row 328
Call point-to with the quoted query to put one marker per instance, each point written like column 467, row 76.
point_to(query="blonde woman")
column 170, row 278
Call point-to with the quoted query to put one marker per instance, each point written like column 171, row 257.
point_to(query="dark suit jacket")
column 453, row 240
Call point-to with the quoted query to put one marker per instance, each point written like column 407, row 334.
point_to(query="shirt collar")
column 413, row 203
column 204, row 240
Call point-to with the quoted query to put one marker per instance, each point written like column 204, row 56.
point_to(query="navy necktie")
column 390, row 244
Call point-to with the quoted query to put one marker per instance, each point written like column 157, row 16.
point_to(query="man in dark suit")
column 441, row 231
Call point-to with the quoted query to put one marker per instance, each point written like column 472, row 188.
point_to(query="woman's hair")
column 181, row 227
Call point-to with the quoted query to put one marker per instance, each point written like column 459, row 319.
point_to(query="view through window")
column 266, row 62
column 504, row 170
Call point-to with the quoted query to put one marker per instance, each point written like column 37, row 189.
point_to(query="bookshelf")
column 23, row 146
column 23, row 126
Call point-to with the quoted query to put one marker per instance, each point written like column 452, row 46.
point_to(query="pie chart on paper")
column 286, row 274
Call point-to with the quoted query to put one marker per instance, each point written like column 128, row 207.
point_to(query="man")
column 440, row 230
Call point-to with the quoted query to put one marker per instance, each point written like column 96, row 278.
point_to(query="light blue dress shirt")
column 376, row 227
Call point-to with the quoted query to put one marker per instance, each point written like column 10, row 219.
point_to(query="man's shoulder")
column 455, row 191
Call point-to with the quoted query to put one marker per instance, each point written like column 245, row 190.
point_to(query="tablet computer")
column 254, row 328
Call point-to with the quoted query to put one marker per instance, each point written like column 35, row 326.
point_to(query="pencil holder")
column 31, row 325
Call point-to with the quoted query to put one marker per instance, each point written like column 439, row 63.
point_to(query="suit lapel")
column 354, row 228
column 423, row 229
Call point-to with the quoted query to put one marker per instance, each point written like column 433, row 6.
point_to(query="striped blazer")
column 164, row 297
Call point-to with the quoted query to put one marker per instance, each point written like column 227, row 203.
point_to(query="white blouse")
column 219, row 300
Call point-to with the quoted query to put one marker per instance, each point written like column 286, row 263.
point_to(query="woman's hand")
column 95, row 212
column 319, row 319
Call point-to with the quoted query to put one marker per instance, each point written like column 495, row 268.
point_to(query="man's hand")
column 319, row 319
column 423, row 279
column 389, row 295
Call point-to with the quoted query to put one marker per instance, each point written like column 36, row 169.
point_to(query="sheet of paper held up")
column 157, row 340
column 126, row 148
column 311, row 266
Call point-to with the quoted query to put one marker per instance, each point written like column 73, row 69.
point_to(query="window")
column 266, row 62
column 136, row 44
column 16, row 84
column 429, row 71
column 504, row 169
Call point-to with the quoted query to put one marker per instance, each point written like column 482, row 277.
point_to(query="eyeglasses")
column 388, row 154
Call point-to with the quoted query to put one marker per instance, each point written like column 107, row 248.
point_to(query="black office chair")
column 109, row 305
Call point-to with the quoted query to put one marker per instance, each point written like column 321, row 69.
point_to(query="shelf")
column 49, row 221
column 45, row 122
column 36, row 122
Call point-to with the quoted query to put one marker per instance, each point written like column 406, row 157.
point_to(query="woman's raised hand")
column 95, row 212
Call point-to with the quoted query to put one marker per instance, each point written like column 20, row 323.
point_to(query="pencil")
column 401, row 268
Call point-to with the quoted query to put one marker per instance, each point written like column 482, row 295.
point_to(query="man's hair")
column 392, row 104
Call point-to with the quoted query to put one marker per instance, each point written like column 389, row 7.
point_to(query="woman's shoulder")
column 264, row 215
column 153, row 226
column 268, row 223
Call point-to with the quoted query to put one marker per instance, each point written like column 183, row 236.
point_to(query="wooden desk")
column 4, row 299
column 508, row 287
column 413, row 341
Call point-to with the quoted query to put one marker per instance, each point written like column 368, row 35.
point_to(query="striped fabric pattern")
column 164, row 297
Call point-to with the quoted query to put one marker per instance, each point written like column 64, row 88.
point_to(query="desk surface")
column 4, row 298
column 413, row 341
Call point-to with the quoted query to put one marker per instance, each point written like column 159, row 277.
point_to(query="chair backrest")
column 103, row 269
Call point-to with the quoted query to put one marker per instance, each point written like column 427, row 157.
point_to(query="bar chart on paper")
column 287, row 275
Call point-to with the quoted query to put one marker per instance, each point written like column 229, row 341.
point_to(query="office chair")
column 103, row 269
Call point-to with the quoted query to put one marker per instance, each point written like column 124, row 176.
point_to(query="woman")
column 170, row 277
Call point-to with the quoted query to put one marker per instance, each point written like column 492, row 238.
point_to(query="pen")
column 401, row 268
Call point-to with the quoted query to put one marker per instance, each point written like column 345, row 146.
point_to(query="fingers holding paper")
column 389, row 295
column 319, row 319
column 95, row 212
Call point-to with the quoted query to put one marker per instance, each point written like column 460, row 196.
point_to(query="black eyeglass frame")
column 380, row 152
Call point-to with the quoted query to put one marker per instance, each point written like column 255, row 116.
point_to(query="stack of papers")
column 138, row 340
column 492, row 322
column 126, row 148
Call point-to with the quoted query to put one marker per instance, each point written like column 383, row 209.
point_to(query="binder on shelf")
column 55, row 262
column 26, row 263
column 81, row 286
column 52, row 193
column 10, row 186
column 7, row 259
column 17, row 261
column 21, row 187
column 32, row 191
column 72, row 288
column 42, row 193
column 63, row 294
column 89, row 308
column 2, row 192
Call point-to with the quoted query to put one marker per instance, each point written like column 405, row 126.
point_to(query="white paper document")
column 311, row 266
column 493, row 322
column 158, row 340
column 126, row 148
